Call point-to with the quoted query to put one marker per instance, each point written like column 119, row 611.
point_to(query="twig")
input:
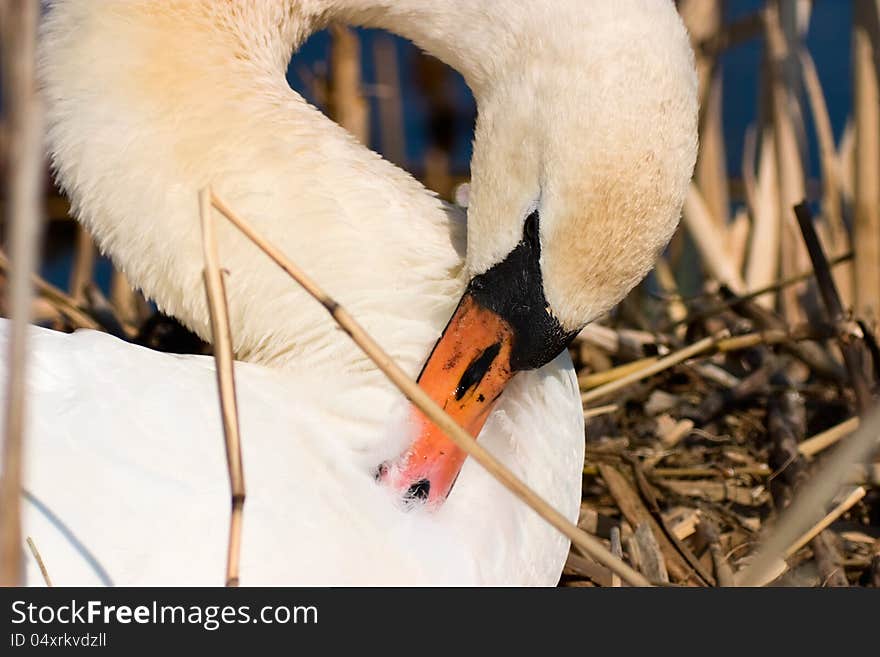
column 811, row 354
column 223, row 357
column 831, row 203
column 617, row 551
column 599, row 410
column 651, row 369
column 775, row 568
column 596, row 379
column 36, row 554
column 874, row 569
column 736, row 299
column 828, row 559
column 824, row 440
column 390, row 106
column 709, row 242
column 347, row 102
column 675, row 307
column 652, row 563
column 848, row 503
column 424, row 403
column 814, row 495
column 720, row 343
column 852, row 355
column 784, row 77
column 866, row 228
column 25, row 211
column 83, row 272
column 128, row 303
column 63, row 302
column 676, row 433
column 733, row 34
column 636, row 513
column 709, row 534
column 762, row 262
column 649, row 495
column 586, row 567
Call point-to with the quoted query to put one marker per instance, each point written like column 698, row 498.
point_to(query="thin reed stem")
column 431, row 409
column 223, row 356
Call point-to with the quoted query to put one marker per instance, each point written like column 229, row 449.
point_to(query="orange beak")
column 503, row 324
column 465, row 374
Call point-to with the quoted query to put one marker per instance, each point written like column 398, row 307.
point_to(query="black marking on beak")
column 514, row 289
column 418, row 492
column 476, row 371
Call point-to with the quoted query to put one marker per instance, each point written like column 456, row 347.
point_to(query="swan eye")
column 530, row 229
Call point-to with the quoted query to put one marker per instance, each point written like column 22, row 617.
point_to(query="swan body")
column 586, row 132
column 126, row 478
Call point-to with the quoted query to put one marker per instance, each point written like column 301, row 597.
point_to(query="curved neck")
column 471, row 36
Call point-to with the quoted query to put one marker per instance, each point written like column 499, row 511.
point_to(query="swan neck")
column 465, row 34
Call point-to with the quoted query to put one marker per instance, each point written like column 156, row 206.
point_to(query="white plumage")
column 587, row 112
column 125, row 452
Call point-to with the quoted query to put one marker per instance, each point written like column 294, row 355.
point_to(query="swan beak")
column 503, row 325
column 465, row 374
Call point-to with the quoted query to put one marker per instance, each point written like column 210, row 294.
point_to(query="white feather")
column 126, row 481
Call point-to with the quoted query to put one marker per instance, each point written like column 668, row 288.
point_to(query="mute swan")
column 584, row 144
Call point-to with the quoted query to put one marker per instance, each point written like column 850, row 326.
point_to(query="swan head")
column 583, row 151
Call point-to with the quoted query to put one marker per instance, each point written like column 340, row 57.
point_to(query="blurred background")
column 715, row 388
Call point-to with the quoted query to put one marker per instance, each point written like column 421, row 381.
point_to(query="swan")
column 584, row 144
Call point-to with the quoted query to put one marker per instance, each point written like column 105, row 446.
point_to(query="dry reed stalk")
column 846, row 165
column 617, row 551
column 39, row 559
column 652, row 564
column 437, row 174
column 709, row 240
column 780, row 565
column 813, row 494
column 711, row 169
column 731, row 34
column 723, row 571
column 128, row 304
column 737, row 238
column 755, row 294
column 24, row 112
column 597, row 379
column 762, row 263
column 83, row 272
column 600, row 410
column 676, row 433
column 832, row 205
column 390, row 105
column 784, row 76
column 637, row 513
column 463, row 440
column 650, row 369
column 675, row 308
column 765, row 337
column 824, row 440
column 703, row 19
column 629, row 373
column 348, row 106
column 59, row 299
column 849, row 502
column 866, row 229
column 749, row 158
column 224, row 359
column 853, row 350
